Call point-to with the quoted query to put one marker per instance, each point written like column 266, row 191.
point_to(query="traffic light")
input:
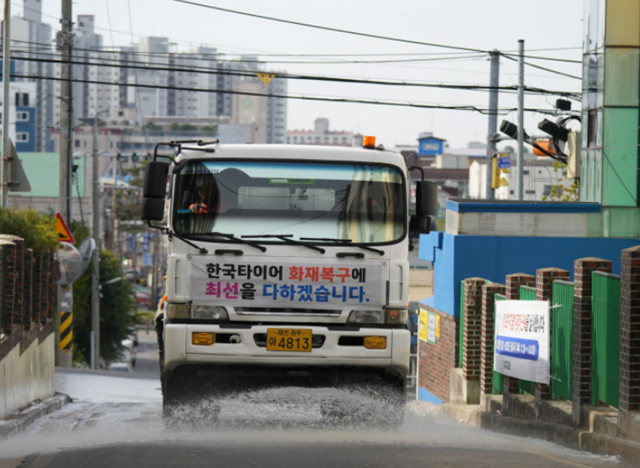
column 499, row 165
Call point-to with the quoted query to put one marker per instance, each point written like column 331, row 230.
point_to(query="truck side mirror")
column 420, row 224
column 426, row 198
column 154, row 191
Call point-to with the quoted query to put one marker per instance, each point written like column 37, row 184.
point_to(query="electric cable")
column 252, row 74
column 300, row 97
column 326, row 28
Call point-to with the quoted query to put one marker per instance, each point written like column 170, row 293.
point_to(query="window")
column 22, row 137
column 547, row 190
column 22, row 116
column 77, row 143
column 357, row 202
column 530, row 192
column 525, row 172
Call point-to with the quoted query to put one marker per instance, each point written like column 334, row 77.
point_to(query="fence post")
column 544, row 292
column 629, row 340
column 18, row 271
column 512, row 293
column 582, row 320
column 472, row 327
column 489, row 292
column 27, row 309
column 8, row 286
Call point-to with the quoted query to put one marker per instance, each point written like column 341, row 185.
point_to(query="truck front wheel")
column 185, row 401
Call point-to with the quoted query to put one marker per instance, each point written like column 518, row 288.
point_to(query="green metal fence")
column 498, row 378
column 605, row 336
column 562, row 339
column 527, row 293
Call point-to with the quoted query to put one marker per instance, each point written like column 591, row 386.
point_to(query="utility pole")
column 494, row 82
column 520, row 119
column 65, row 112
column 95, row 257
column 113, row 241
column 6, row 113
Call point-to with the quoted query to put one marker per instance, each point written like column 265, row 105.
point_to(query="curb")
column 560, row 434
column 22, row 419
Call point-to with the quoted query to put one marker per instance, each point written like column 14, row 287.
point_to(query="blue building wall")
column 27, row 127
column 430, row 146
column 457, row 257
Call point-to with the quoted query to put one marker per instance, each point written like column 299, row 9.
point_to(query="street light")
column 95, row 256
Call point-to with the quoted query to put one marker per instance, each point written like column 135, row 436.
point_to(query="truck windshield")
column 361, row 202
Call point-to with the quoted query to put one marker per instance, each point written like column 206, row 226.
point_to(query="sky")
column 550, row 28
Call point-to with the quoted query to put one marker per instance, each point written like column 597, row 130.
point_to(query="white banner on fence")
column 522, row 340
column 283, row 282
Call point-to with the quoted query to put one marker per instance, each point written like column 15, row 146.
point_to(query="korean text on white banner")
column 522, row 340
column 296, row 283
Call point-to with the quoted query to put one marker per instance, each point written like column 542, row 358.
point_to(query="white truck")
column 287, row 265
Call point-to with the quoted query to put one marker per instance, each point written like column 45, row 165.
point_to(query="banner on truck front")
column 522, row 340
column 289, row 283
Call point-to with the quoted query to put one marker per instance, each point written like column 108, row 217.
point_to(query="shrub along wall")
column 27, row 303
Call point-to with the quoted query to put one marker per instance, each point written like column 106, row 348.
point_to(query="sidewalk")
column 554, row 424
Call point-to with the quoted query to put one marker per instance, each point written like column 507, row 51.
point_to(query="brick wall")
column 512, row 293
column 437, row 360
column 582, row 308
column 472, row 328
column 27, row 295
column 630, row 330
column 7, row 286
column 544, row 292
column 489, row 292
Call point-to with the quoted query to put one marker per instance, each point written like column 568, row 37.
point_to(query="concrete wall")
column 27, row 374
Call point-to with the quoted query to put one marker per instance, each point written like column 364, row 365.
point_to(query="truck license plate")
column 289, row 339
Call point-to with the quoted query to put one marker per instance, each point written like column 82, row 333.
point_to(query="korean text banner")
column 286, row 282
column 522, row 340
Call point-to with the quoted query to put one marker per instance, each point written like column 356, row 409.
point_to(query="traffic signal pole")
column 494, row 82
column 520, row 120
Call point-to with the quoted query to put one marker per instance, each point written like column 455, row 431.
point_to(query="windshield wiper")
column 343, row 241
column 171, row 233
column 234, row 238
column 287, row 239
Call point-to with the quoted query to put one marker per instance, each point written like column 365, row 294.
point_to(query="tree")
column 209, row 130
column 565, row 189
column 117, row 306
column 152, row 127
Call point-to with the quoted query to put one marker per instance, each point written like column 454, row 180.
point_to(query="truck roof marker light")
column 369, row 142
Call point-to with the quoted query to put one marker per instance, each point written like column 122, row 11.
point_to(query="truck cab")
column 286, row 265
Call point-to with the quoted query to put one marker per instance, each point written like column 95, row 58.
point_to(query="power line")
column 246, row 73
column 543, row 68
column 326, row 28
column 285, row 96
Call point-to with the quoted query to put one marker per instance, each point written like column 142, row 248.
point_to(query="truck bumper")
column 246, row 348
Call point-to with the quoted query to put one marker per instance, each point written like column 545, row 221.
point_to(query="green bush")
column 117, row 307
column 36, row 229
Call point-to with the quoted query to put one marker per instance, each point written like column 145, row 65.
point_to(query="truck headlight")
column 201, row 311
column 177, row 311
column 365, row 316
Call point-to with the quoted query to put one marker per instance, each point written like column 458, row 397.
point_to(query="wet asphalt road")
column 115, row 421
